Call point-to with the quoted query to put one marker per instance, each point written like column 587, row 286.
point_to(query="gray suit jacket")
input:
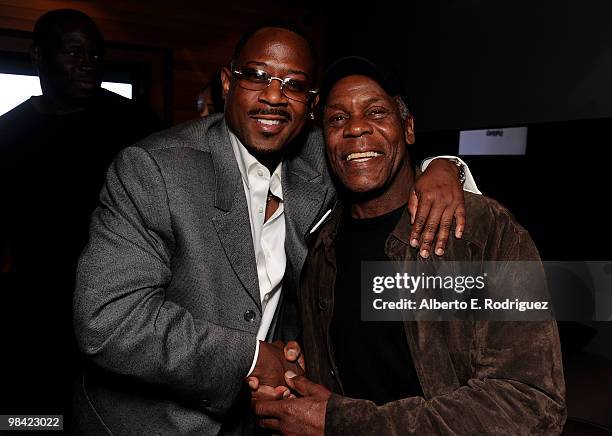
column 167, row 303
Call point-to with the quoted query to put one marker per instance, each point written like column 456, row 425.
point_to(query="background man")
column 210, row 99
column 199, row 229
column 420, row 377
column 54, row 152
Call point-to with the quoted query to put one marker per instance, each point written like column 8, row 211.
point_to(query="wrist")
column 460, row 170
column 443, row 164
column 453, row 165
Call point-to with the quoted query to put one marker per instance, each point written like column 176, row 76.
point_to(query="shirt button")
column 261, row 209
column 323, row 305
column 250, row 316
column 259, row 173
column 266, row 297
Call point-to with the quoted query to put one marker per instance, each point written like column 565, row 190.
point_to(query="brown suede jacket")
column 478, row 377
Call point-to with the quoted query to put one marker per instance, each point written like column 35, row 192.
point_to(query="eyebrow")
column 263, row 64
column 303, row 73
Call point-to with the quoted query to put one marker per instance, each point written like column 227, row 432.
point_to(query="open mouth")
column 362, row 156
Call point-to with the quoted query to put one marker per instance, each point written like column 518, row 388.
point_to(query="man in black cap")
column 405, row 377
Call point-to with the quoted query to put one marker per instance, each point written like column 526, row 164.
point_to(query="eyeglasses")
column 258, row 80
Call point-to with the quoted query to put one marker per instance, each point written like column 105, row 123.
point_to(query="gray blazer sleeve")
column 123, row 320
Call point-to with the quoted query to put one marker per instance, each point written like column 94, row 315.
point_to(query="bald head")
column 50, row 28
column 273, row 27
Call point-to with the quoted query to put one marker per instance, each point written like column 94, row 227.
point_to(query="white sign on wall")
column 510, row 140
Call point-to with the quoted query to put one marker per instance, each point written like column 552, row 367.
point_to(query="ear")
column 36, row 56
column 314, row 103
column 226, row 80
column 409, row 129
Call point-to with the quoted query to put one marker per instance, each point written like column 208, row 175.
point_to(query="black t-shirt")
column 52, row 168
column 373, row 358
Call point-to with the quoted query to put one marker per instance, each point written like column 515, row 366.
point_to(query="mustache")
column 271, row 111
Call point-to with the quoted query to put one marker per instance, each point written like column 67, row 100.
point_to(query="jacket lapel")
column 304, row 196
column 231, row 220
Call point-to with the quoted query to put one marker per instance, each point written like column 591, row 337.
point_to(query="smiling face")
column 265, row 121
column 366, row 137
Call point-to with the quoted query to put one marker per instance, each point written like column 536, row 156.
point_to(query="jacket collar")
column 305, row 190
column 227, row 174
column 303, row 187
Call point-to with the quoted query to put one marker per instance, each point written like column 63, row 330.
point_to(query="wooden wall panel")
column 197, row 36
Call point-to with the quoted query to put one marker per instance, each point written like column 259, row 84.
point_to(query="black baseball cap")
column 357, row 65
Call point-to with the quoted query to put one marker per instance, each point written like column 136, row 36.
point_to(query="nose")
column 88, row 61
column 273, row 94
column 356, row 127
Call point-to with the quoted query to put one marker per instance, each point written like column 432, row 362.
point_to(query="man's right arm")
column 123, row 320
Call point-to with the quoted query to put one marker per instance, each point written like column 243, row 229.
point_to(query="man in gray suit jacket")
column 198, row 231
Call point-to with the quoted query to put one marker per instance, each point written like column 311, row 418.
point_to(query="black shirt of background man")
column 373, row 358
column 52, row 168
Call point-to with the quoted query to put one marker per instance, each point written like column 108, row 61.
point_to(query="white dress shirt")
column 268, row 237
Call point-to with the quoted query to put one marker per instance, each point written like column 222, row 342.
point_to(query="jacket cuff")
column 254, row 363
column 349, row 416
column 470, row 183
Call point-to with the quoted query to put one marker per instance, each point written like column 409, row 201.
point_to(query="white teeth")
column 352, row 156
column 269, row 122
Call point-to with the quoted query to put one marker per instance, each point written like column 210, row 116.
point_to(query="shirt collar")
column 246, row 162
column 243, row 157
column 275, row 182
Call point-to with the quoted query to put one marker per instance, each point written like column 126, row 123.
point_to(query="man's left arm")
column 436, row 199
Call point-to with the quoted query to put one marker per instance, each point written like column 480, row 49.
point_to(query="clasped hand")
column 302, row 411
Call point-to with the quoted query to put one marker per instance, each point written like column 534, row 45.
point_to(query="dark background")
column 478, row 63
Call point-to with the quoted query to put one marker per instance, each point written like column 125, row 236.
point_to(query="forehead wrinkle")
column 334, row 106
column 358, row 85
column 355, row 98
column 372, row 100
